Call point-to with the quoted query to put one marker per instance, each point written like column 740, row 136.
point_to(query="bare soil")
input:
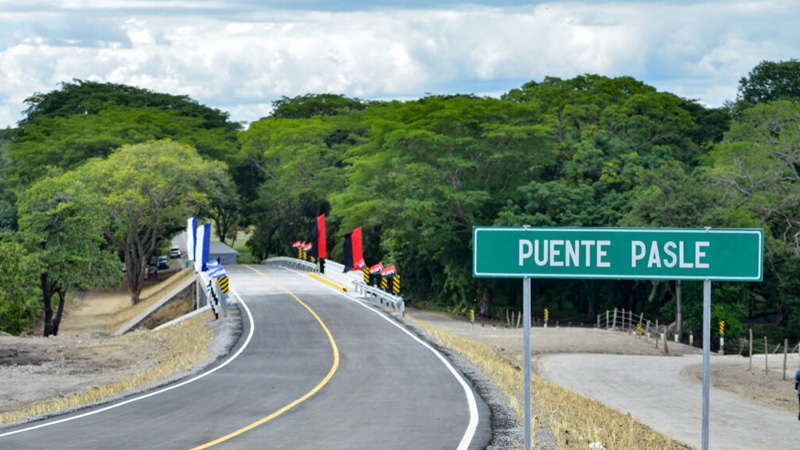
column 85, row 354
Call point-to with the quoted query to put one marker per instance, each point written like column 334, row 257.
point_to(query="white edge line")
column 469, row 433
column 154, row 393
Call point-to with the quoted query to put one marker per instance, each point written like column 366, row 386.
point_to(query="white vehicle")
column 174, row 252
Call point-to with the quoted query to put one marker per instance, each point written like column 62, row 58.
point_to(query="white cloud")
column 240, row 63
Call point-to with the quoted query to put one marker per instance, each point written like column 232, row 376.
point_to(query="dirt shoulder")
column 86, row 359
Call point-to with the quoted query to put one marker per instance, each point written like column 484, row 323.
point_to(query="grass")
column 245, row 254
column 574, row 421
column 149, row 295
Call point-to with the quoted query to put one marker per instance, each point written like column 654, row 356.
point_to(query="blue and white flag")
column 201, row 247
column 215, row 269
column 191, row 236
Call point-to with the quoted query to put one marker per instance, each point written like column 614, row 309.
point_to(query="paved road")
column 320, row 371
column 652, row 389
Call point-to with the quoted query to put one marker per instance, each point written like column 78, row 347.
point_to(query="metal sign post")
column 706, row 356
column 526, row 348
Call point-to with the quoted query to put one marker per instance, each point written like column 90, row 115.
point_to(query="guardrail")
column 395, row 302
column 209, row 293
column 293, row 263
column 336, row 271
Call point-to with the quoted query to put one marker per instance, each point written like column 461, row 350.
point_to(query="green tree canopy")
column 315, row 105
column 61, row 221
column 20, row 299
column 770, row 81
column 83, row 120
column 149, row 190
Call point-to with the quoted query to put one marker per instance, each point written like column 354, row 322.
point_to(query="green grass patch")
column 245, row 254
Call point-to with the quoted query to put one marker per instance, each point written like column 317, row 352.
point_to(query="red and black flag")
column 353, row 258
column 376, row 269
column 388, row 272
column 319, row 244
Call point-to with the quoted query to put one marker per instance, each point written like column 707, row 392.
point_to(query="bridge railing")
column 292, row 263
column 386, row 299
column 335, row 271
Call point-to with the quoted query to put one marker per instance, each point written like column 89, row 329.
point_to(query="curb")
column 328, row 282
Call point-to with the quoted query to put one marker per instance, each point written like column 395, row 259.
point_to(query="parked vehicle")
column 174, row 252
column 163, row 262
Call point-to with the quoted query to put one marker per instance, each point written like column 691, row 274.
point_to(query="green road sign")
column 724, row 254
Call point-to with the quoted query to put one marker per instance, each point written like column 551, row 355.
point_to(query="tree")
column 315, row 105
column 300, row 161
column 149, row 190
column 86, row 98
column 84, row 119
column 61, row 221
column 225, row 211
column 669, row 197
column 19, row 301
column 431, row 169
column 756, row 166
column 770, row 81
column 8, row 213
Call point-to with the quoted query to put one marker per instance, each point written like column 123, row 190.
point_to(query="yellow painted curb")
column 328, row 282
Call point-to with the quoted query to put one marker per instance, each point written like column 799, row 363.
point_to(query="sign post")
column 704, row 254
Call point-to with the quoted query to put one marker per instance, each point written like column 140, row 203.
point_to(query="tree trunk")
column 48, row 306
column 62, row 298
column 679, row 309
column 591, row 300
column 486, row 301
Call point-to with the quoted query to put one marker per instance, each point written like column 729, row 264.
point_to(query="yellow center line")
column 305, row 397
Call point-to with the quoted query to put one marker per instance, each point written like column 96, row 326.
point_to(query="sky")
column 241, row 55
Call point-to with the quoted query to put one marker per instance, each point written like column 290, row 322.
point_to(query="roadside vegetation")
column 98, row 176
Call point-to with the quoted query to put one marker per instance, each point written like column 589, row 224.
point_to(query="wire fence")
column 759, row 350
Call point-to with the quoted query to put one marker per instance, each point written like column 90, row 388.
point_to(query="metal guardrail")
column 395, row 302
column 209, row 293
column 293, row 263
column 386, row 299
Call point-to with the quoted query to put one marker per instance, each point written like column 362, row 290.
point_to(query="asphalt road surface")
column 315, row 369
column 652, row 389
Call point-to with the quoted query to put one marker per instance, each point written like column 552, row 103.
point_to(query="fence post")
column 766, row 357
column 614, row 325
column 598, row 321
column 630, row 320
column 785, row 355
column 751, row 350
column 658, row 334
column 648, row 329
column 606, row 319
